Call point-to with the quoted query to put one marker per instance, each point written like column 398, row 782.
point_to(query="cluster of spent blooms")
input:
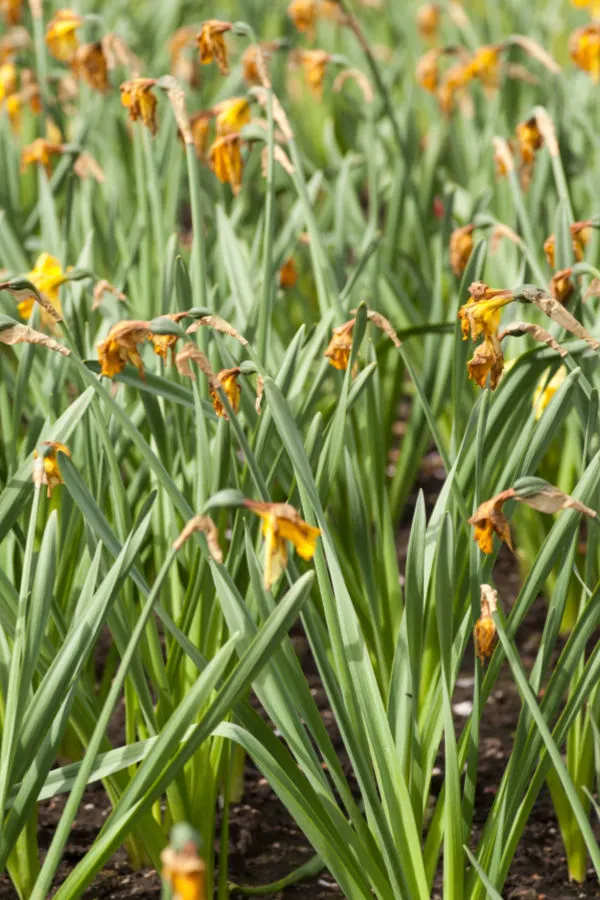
column 480, row 316
column 449, row 84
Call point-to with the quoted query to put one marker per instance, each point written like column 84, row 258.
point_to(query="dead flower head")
column 584, row 49
column 429, row 16
column 226, row 380
column 200, row 128
column 120, row 346
column 225, row 158
column 306, row 13
column 485, row 634
column 561, row 286
column 485, row 65
column 480, row 315
column 461, row 247
column 529, row 140
column 428, row 70
column 137, row 97
column 545, row 391
column 11, row 11
column 89, row 64
column 340, row 346
column 314, row 65
column 211, row 44
column 61, row 34
column 489, row 519
column 41, row 152
column 184, row 872
column 254, row 62
column 8, row 80
column 51, row 475
column 581, row 232
column 282, row 523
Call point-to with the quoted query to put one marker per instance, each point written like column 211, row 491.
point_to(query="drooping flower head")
column 120, row 346
column 584, row 49
column 8, row 80
column 89, row 64
column 314, row 64
column 485, row 65
column 282, row 523
column 211, row 44
column 137, row 97
column 61, row 34
column 225, row 158
column 428, row 70
column 581, row 232
column 52, row 475
column 288, row 274
column 41, row 152
column 429, row 16
column 481, row 313
column 489, row 519
column 11, row 11
column 47, row 276
column 254, row 58
column 485, row 634
column 226, row 379
column 231, row 115
column 561, row 285
column 460, row 248
column 340, row 346
column 200, row 128
column 545, row 391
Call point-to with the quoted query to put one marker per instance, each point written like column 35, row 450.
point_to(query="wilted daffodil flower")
column 225, row 158
column 51, row 475
column 460, row 248
column 61, row 34
column 200, row 128
column 340, row 346
column 11, row 11
column 429, row 16
column 231, row 115
column 314, row 64
column 489, row 519
column 584, row 49
column 137, row 97
column 480, row 316
column 211, row 44
column 485, row 634
column 306, row 13
column 120, row 346
column 561, row 286
column 428, row 70
column 8, row 80
column 184, row 871
column 226, row 379
column 581, row 232
column 89, row 64
column 41, row 152
column 594, row 6
column 545, row 391
column 485, row 65
column 282, row 523
column 47, row 276
column 288, row 274
column 251, row 63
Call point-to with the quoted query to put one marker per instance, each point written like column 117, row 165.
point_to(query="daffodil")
column 584, row 49
column 581, row 232
column 460, row 248
column 428, row 70
column 288, row 274
column 251, row 63
column 211, row 44
column 481, row 314
column 282, row 523
column 561, row 286
column 529, row 139
column 485, row 65
column 11, row 11
column 52, row 475
column 226, row 380
column 231, row 115
column 314, row 64
column 89, row 63
column 162, row 343
column 487, row 360
column 121, row 346
column 47, row 276
column 183, row 870
column 8, row 80
column 181, row 65
column 429, row 16
column 545, row 391
column 61, row 34
column 340, row 346
column 489, row 519
column 137, row 97
column 455, row 80
column 485, row 634
column 225, row 158
column 303, row 14
column 200, row 128
column 41, row 152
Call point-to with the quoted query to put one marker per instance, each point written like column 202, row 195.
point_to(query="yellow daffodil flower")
column 47, row 276
column 52, row 474
column 481, row 314
column 121, row 346
column 8, row 80
column 89, row 64
column 251, row 64
column 487, row 360
column 429, row 16
column 288, row 274
column 225, row 158
column 454, row 81
column 485, row 65
column 340, row 346
column 485, row 634
column 545, row 391
column 185, row 873
column 303, row 14
column 282, row 523
column 529, row 139
column 137, row 97
column 200, row 127
column 561, row 286
column 226, row 379
column 460, row 248
column 61, row 36
column 211, row 44
column 428, row 71
column 489, row 519
column 40, row 151
column 231, row 115
column 593, row 5
column 584, row 49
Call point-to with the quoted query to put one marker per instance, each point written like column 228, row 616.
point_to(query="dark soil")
column 265, row 844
